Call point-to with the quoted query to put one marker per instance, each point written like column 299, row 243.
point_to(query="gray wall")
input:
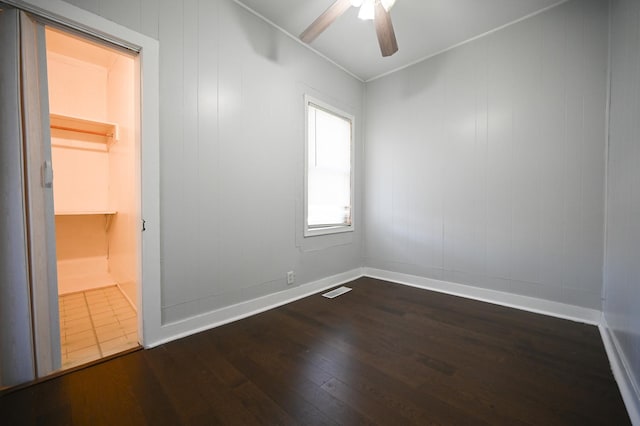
column 485, row 164
column 232, row 122
column 622, row 265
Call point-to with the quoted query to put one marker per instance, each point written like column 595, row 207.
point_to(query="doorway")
column 29, row 299
column 96, row 195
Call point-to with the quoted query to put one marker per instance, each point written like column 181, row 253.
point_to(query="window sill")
column 316, row 232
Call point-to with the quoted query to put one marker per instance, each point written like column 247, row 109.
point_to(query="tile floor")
column 94, row 324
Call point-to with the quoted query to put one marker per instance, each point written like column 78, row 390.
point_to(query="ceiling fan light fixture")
column 374, row 10
column 367, row 10
column 387, row 4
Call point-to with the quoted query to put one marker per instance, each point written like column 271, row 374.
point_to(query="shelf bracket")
column 107, row 222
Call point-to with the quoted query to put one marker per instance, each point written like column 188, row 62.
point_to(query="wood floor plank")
column 285, row 380
column 198, row 392
column 380, row 354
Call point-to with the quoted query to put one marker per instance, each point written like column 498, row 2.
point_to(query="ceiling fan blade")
column 323, row 21
column 385, row 32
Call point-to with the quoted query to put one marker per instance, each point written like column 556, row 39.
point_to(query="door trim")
column 147, row 93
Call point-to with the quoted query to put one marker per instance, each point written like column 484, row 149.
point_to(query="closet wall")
column 93, row 174
column 123, row 193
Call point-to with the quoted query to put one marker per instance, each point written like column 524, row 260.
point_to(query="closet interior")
column 96, row 195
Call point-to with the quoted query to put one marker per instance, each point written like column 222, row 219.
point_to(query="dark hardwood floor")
column 381, row 354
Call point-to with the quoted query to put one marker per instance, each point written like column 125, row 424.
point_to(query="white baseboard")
column 228, row 314
column 246, row 309
column 525, row 303
column 629, row 389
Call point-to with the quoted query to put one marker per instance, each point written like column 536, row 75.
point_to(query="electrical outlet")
column 291, row 277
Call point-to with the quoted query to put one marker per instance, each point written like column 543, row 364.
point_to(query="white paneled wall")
column 138, row 15
column 232, row 117
column 485, row 164
column 232, row 162
column 622, row 269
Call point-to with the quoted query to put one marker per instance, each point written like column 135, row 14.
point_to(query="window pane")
column 333, row 141
column 329, row 198
column 329, row 169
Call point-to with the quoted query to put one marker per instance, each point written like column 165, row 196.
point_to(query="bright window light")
column 329, row 171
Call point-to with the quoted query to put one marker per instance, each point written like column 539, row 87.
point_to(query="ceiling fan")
column 376, row 10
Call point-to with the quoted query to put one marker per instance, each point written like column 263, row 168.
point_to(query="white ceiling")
column 423, row 28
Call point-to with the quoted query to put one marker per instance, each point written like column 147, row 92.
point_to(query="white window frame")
column 334, row 229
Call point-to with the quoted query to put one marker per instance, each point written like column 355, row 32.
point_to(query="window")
column 329, row 169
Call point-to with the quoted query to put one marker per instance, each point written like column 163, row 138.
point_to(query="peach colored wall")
column 81, row 179
column 77, row 88
column 122, row 171
column 81, row 176
column 80, row 236
column 81, row 246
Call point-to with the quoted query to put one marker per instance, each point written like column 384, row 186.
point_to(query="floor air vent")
column 337, row 292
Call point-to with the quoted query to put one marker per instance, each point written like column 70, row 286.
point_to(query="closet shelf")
column 84, row 213
column 108, row 215
column 109, row 131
